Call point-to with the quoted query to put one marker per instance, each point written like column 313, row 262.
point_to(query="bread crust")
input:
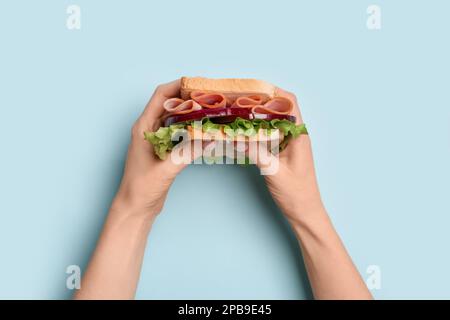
column 231, row 88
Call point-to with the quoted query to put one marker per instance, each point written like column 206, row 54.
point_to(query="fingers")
column 185, row 153
column 154, row 109
column 267, row 162
column 258, row 153
column 289, row 95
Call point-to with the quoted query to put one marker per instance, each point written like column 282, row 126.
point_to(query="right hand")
column 294, row 186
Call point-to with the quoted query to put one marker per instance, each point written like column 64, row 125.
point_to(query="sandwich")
column 225, row 110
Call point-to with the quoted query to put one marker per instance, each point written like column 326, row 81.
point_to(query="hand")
column 294, row 186
column 147, row 179
column 114, row 269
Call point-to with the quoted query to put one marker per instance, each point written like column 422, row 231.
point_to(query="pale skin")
column 114, row 269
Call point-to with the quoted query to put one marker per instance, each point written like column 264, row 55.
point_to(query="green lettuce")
column 162, row 138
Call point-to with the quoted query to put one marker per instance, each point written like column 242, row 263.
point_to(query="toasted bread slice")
column 230, row 88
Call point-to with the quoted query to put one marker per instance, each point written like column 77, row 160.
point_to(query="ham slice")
column 179, row 106
column 209, row 100
column 203, row 100
column 247, row 102
column 278, row 105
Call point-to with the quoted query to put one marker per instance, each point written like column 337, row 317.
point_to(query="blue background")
column 376, row 103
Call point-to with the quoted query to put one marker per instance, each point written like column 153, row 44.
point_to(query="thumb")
column 185, row 153
column 259, row 153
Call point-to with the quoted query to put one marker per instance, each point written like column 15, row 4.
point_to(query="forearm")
column 331, row 271
column 114, row 269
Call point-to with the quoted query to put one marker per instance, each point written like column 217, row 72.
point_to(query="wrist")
column 302, row 218
column 302, row 204
column 139, row 198
column 315, row 230
column 135, row 219
column 123, row 205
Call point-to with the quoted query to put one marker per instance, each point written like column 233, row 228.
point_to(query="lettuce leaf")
column 162, row 138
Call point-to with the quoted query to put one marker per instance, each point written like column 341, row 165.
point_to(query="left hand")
column 146, row 178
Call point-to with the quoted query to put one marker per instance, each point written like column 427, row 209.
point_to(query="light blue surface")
column 376, row 104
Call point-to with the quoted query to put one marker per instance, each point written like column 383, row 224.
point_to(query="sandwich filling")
column 231, row 120
column 163, row 140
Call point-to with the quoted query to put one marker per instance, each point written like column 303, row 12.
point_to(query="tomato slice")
column 223, row 115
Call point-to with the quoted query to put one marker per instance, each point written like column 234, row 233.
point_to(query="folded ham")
column 209, row 100
column 179, row 106
column 247, row 102
column 277, row 105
